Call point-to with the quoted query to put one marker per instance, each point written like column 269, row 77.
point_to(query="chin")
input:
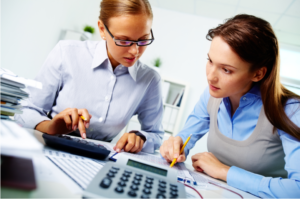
column 215, row 94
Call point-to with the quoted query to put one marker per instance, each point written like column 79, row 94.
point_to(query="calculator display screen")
column 147, row 167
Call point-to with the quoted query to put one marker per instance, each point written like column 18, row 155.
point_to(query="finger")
column 181, row 158
column 130, row 142
column 74, row 116
column 197, row 167
column 141, row 146
column 196, row 157
column 121, row 143
column 136, row 145
column 81, row 128
column 84, row 112
column 170, row 149
column 68, row 122
column 176, row 147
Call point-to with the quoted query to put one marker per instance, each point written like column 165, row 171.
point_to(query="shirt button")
column 244, row 98
column 100, row 119
column 106, row 98
column 112, row 77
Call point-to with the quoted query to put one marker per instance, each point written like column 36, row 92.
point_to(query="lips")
column 213, row 87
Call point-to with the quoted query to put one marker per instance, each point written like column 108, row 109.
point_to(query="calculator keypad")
column 137, row 185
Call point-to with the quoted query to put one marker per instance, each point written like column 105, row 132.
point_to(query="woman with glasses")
column 102, row 81
column 252, row 119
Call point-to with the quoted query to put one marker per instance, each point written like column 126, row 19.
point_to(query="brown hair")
column 114, row 8
column 254, row 40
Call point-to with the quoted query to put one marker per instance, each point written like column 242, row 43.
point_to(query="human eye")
column 209, row 60
column 123, row 42
column 226, row 70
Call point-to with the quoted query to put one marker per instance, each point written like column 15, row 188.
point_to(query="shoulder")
column 146, row 73
column 77, row 46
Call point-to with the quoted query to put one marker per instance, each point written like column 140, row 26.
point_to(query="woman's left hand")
column 208, row 163
column 130, row 142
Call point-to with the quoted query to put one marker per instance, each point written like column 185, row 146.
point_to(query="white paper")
column 80, row 169
column 16, row 141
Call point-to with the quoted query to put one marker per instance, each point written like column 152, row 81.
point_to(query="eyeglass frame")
column 130, row 40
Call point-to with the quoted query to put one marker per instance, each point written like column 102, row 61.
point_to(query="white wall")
column 31, row 28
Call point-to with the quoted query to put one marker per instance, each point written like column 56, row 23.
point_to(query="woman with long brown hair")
column 103, row 81
column 252, row 119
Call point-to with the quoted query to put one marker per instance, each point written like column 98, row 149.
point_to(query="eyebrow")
column 222, row 64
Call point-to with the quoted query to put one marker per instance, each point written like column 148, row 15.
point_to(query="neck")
column 235, row 99
column 113, row 62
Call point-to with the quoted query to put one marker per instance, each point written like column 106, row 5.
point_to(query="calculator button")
column 132, row 193
column 149, row 178
column 149, row 181
column 126, row 175
column 122, row 183
column 105, row 183
column 148, row 186
column 145, row 196
column 173, row 189
column 162, row 182
column 123, row 178
column 128, row 171
column 138, row 174
column 113, row 171
column 119, row 189
column 147, row 191
column 116, row 168
column 160, row 195
column 137, row 178
column 134, row 187
column 161, row 185
column 136, row 182
column 161, row 190
column 173, row 194
column 110, row 174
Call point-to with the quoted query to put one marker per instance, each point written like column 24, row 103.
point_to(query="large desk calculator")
column 133, row 178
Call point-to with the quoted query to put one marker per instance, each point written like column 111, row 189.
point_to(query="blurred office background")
column 31, row 28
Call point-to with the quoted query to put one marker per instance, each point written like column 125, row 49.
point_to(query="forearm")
column 43, row 126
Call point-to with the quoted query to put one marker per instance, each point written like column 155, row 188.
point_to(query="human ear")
column 259, row 74
column 101, row 29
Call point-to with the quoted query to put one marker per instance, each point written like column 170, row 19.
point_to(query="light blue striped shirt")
column 79, row 75
column 239, row 127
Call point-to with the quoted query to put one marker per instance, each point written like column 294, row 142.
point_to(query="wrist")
column 224, row 171
column 139, row 134
column 43, row 126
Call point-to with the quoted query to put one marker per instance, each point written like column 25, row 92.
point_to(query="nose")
column 134, row 49
column 211, row 74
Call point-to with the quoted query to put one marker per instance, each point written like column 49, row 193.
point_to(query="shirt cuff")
column 244, row 180
column 149, row 144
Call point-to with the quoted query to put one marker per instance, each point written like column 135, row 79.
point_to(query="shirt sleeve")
column 40, row 101
column 197, row 123
column 150, row 114
column 267, row 187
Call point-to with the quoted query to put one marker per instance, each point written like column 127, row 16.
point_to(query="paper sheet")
column 80, row 169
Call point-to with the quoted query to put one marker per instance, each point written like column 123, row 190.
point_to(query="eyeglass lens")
column 128, row 43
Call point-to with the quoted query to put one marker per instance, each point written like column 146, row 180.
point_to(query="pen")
column 182, row 148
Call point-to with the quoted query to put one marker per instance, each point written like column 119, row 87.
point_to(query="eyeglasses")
column 126, row 43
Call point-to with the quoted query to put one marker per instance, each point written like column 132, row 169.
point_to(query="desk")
column 54, row 183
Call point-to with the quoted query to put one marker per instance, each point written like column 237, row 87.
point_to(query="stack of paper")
column 12, row 92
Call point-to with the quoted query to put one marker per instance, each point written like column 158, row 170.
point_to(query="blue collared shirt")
column 79, row 75
column 239, row 127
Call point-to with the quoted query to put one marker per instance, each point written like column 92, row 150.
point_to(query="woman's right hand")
column 170, row 149
column 67, row 121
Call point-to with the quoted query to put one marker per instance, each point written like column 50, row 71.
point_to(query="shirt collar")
column 254, row 91
column 100, row 56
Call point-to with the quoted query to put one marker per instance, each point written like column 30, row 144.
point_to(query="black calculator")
column 134, row 178
column 76, row 146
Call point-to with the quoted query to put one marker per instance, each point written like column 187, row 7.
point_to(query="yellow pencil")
column 83, row 118
column 182, row 148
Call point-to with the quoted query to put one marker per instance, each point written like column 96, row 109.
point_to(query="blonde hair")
column 114, row 8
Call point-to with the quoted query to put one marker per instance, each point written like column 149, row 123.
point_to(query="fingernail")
column 175, row 155
column 83, row 135
column 75, row 127
column 118, row 150
column 87, row 125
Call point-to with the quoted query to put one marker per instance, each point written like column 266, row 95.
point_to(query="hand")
column 130, row 142
column 208, row 163
column 170, row 149
column 66, row 121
